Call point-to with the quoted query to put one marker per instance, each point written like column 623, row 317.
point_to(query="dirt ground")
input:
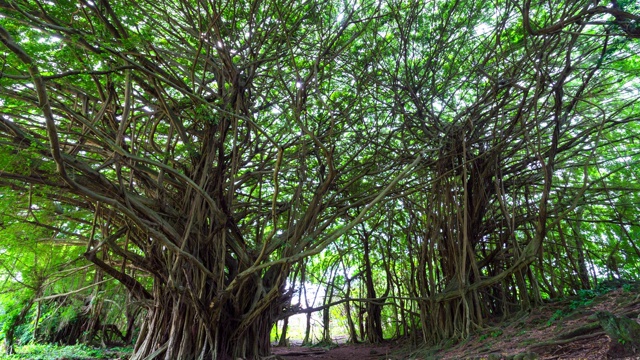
column 561, row 330
column 345, row 351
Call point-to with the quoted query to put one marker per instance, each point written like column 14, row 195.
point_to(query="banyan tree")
column 217, row 144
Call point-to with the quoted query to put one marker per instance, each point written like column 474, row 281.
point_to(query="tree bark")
column 181, row 327
column 373, row 308
column 283, row 337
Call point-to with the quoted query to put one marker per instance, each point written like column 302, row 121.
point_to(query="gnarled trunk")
column 180, row 326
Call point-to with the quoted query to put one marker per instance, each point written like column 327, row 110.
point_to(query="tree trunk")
column 326, row 326
column 307, row 331
column 351, row 328
column 95, row 307
column 361, row 321
column 290, row 309
column 283, row 337
column 182, row 328
column 132, row 316
column 374, row 308
column 326, row 315
column 353, row 335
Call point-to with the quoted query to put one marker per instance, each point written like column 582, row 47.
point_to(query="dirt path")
column 353, row 352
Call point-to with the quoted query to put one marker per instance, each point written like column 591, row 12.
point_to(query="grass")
column 55, row 352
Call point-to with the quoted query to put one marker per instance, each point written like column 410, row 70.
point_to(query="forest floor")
column 564, row 329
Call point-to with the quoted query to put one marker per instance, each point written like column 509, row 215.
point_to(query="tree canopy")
column 436, row 163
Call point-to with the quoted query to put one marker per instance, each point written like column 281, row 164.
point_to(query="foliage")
column 559, row 314
column 494, row 334
column 53, row 352
column 584, row 298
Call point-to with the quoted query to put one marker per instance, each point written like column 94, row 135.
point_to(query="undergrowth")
column 584, row 298
column 55, row 352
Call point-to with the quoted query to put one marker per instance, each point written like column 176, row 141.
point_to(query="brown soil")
column 354, row 352
column 559, row 330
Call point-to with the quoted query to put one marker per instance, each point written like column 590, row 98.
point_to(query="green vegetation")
column 181, row 176
column 493, row 334
column 53, row 352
